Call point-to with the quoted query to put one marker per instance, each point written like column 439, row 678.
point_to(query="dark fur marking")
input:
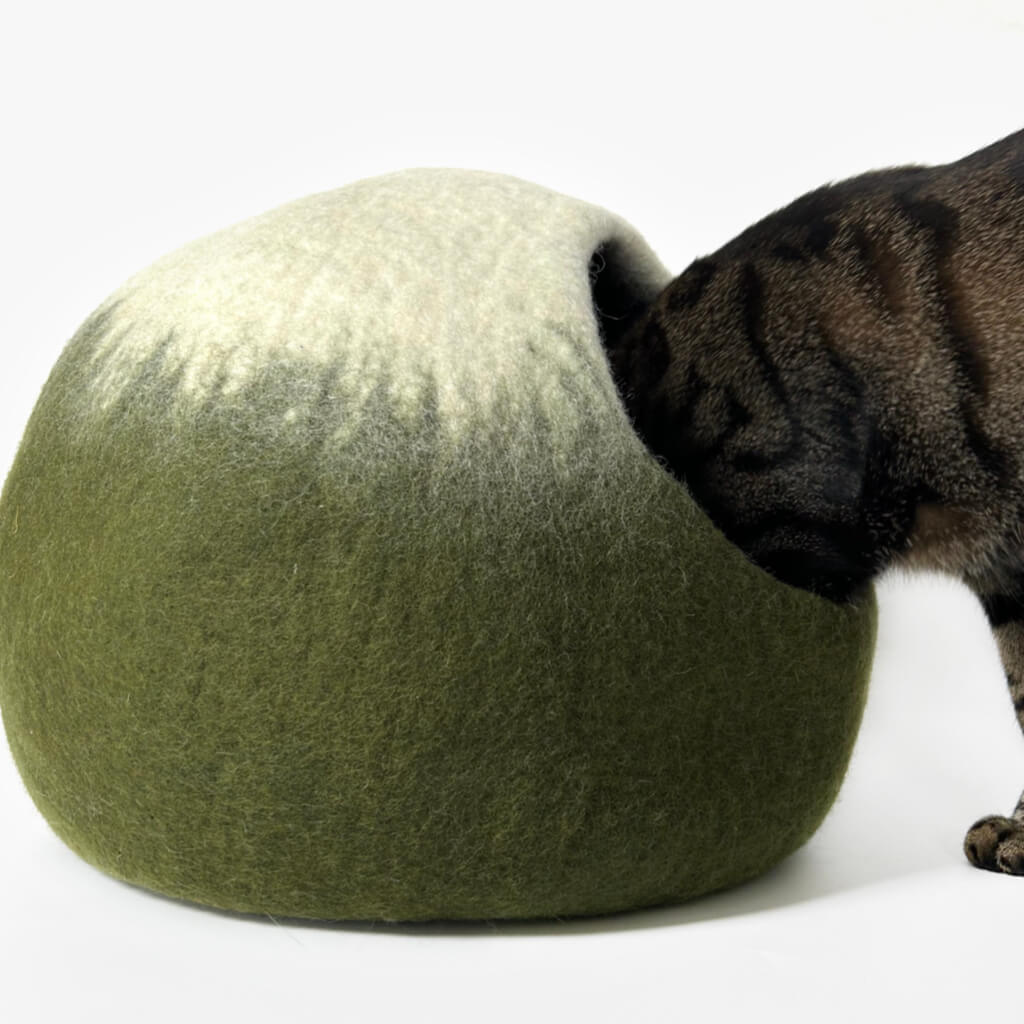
column 820, row 234
column 690, row 287
column 829, row 577
column 889, row 507
column 667, row 428
column 840, row 423
column 737, row 417
column 639, row 360
column 807, row 220
column 752, row 305
column 865, row 246
column 995, row 462
column 751, row 301
column 665, row 425
column 789, row 253
column 883, row 268
column 788, row 521
column 1002, row 609
column 1004, row 603
column 756, row 462
column 828, row 557
column 656, row 352
column 942, row 222
column 931, row 215
column 817, row 236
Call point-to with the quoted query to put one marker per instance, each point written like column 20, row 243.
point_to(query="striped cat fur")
column 840, row 387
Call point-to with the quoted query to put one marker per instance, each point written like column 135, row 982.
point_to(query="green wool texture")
column 335, row 583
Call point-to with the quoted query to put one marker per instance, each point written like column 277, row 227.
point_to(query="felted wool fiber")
column 334, row 583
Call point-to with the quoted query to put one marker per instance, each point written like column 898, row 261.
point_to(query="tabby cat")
column 842, row 389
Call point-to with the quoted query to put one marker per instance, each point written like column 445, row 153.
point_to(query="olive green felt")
column 326, row 626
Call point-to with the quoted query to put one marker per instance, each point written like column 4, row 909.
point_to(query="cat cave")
column 335, row 583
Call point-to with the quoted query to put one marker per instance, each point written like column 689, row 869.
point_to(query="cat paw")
column 996, row 844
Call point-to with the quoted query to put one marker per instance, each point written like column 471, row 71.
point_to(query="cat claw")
column 996, row 844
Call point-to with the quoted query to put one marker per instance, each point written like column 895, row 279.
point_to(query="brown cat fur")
column 842, row 389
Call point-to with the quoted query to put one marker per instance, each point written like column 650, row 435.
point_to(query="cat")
column 841, row 388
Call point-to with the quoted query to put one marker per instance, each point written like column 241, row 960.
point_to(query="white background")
column 129, row 129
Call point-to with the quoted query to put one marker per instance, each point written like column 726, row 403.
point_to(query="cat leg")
column 996, row 843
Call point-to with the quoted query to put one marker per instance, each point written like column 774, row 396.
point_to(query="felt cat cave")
column 335, row 583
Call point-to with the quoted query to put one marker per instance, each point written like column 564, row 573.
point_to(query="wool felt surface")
column 335, row 583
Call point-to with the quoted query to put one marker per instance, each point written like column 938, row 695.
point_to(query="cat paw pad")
column 1010, row 858
column 996, row 844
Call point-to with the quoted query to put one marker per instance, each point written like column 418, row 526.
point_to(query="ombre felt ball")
column 335, row 583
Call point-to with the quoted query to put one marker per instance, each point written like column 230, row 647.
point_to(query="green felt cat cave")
column 335, row 583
